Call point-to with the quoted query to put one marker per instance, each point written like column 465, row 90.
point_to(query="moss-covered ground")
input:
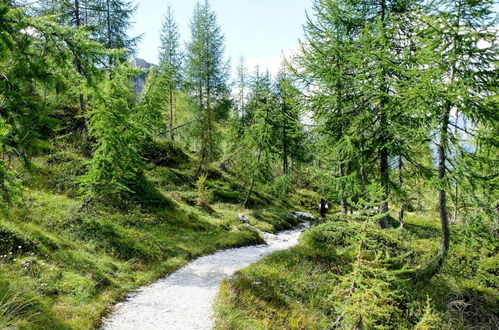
column 63, row 264
column 348, row 274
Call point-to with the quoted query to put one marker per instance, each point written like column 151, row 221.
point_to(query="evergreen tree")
column 36, row 69
column 170, row 63
column 116, row 165
column 326, row 62
column 207, row 75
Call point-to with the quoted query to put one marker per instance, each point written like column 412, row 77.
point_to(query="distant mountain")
column 140, row 80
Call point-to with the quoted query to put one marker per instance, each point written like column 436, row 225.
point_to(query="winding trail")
column 184, row 299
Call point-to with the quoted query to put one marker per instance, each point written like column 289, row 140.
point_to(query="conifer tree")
column 459, row 52
column 170, row 63
column 242, row 86
column 260, row 136
column 116, row 165
column 207, row 75
column 326, row 62
column 286, row 121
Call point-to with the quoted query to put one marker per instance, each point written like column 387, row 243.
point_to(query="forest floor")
column 184, row 299
column 347, row 273
column 64, row 267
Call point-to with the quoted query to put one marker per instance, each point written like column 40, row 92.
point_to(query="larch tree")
column 287, row 122
column 260, row 136
column 115, row 166
column 460, row 48
column 325, row 66
column 242, row 84
column 207, row 75
column 170, row 63
column 114, row 24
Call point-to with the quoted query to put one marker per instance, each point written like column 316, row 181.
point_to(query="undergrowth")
column 349, row 274
column 63, row 263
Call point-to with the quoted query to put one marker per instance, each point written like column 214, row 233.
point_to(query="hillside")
column 63, row 265
column 379, row 117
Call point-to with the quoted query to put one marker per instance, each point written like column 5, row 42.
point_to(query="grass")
column 349, row 274
column 62, row 267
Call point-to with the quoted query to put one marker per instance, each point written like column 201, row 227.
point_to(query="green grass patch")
column 350, row 274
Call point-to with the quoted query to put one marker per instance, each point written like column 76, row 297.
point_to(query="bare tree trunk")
column 384, row 177
column 285, row 164
column 456, row 201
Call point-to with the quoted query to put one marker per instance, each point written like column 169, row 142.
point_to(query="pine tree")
column 36, row 69
column 207, row 75
column 170, row 63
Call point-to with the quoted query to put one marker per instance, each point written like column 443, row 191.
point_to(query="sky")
column 259, row 30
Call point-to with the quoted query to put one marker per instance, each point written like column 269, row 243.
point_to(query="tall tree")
column 287, row 122
column 207, row 74
column 326, row 67
column 170, row 62
column 259, row 137
column 460, row 52
column 242, row 84
column 115, row 21
column 116, row 164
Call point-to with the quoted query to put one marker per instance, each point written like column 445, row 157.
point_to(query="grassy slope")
column 348, row 274
column 62, row 268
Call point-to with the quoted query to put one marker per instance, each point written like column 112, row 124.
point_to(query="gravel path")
column 184, row 299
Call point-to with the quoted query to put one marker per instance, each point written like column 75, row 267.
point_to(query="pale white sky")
column 259, row 30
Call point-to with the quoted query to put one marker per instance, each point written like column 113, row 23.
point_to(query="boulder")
column 242, row 218
column 303, row 216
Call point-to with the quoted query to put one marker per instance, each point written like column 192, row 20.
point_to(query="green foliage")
column 116, row 164
column 207, row 75
column 350, row 274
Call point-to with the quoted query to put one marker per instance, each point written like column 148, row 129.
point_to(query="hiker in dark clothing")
column 323, row 208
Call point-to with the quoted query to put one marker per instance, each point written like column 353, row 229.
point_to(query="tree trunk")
column 250, row 190
column 285, row 164
column 383, row 155
column 456, row 202
column 384, row 177
column 344, row 204
column 442, row 173
column 172, row 137
column 81, row 71
column 402, row 200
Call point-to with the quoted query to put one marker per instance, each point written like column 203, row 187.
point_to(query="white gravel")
column 184, row 299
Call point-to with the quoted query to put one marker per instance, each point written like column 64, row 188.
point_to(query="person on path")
column 323, row 207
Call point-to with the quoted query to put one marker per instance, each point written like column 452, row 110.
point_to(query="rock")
column 242, row 218
column 303, row 216
column 28, row 263
column 139, row 81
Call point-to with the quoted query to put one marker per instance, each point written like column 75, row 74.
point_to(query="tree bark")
column 383, row 154
column 172, row 137
column 344, row 204
column 402, row 201
column 442, row 173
